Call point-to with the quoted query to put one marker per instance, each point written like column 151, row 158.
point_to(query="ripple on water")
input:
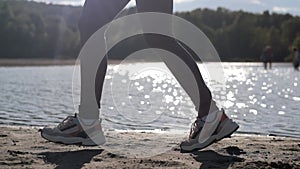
column 256, row 98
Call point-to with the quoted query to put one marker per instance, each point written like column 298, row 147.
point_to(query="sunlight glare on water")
column 261, row 101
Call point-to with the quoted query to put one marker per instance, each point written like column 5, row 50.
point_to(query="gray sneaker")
column 224, row 128
column 72, row 131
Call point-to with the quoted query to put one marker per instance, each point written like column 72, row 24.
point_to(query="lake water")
column 260, row 101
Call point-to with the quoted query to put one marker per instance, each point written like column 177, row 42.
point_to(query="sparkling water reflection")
column 265, row 102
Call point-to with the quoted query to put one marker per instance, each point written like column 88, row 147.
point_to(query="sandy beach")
column 22, row 147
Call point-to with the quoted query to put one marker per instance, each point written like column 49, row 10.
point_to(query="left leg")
column 95, row 14
column 85, row 129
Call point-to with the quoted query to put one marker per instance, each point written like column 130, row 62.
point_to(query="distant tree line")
column 38, row 30
column 241, row 36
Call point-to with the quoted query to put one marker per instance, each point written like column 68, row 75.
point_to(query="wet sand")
column 22, row 147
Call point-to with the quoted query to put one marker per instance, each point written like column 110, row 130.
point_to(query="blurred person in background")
column 267, row 56
column 296, row 59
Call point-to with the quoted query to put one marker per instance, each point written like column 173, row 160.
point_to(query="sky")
column 256, row 6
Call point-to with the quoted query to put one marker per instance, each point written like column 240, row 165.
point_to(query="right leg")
column 188, row 75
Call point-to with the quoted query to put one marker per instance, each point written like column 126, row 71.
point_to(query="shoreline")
column 42, row 62
column 23, row 147
column 157, row 131
column 65, row 62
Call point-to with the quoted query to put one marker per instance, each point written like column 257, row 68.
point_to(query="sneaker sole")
column 228, row 129
column 95, row 141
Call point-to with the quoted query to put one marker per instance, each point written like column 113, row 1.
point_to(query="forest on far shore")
column 38, row 30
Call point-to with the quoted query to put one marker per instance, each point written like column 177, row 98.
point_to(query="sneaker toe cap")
column 48, row 130
column 185, row 143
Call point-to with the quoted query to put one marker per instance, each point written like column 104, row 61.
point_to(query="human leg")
column 201, row 96
column 95, row 14
column 266, row 65
column 187, row 73
column 85, row 129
